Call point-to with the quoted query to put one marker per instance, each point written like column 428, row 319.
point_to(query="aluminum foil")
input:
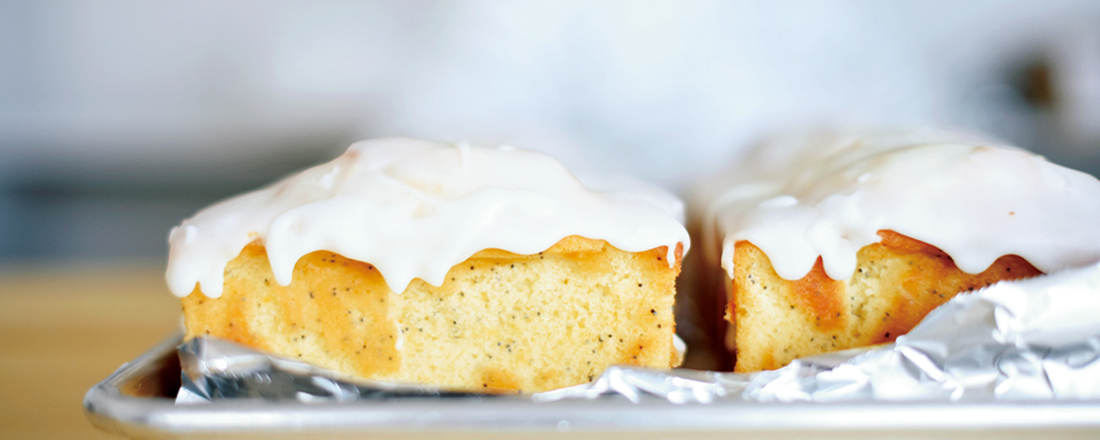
column 215, row 369
column 1025, row 340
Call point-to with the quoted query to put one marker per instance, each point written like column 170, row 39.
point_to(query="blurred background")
column 118, row 119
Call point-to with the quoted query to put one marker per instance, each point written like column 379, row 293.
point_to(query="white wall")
column 182, row 94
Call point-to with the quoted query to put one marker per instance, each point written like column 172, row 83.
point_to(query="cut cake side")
column 896, row 283
column 499, row 320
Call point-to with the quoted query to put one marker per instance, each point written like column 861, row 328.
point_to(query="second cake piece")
column 830, row 241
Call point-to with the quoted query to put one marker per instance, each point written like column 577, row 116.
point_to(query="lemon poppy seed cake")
column 827, row 241
column 416, row 262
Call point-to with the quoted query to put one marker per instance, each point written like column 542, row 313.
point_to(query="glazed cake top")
column 828, row 194
column 414, row 209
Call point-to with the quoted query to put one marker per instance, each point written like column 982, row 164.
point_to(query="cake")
column 462, row 267
column 827, row 241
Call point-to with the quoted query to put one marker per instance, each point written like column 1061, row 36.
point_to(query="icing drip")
column 414, row 209
column 828, row 195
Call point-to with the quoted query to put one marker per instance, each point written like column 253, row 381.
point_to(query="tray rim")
column 107, row 408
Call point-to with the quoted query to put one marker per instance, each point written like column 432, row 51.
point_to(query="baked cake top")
column 414, row 209
column 828, row 194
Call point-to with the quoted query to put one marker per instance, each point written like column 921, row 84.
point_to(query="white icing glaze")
column 827, row 195
column 679, row 345
column 414, row 209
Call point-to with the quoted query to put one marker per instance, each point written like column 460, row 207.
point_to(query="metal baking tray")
column 138, row 401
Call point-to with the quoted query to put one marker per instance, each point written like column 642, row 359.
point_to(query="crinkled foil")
column 214, row 369
column 1024, row 340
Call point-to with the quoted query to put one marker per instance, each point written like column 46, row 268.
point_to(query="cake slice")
column 417, row 262
column 499, row 320
column 832, row 241
column 897, row 282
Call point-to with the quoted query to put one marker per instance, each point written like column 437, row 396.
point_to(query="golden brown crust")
column 500, row 320
column 896, row 283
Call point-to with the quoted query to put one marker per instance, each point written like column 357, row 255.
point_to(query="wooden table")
column 62, row 330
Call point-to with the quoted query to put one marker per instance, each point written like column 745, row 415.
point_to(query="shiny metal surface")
column 137, row 401
column 1019, row 358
